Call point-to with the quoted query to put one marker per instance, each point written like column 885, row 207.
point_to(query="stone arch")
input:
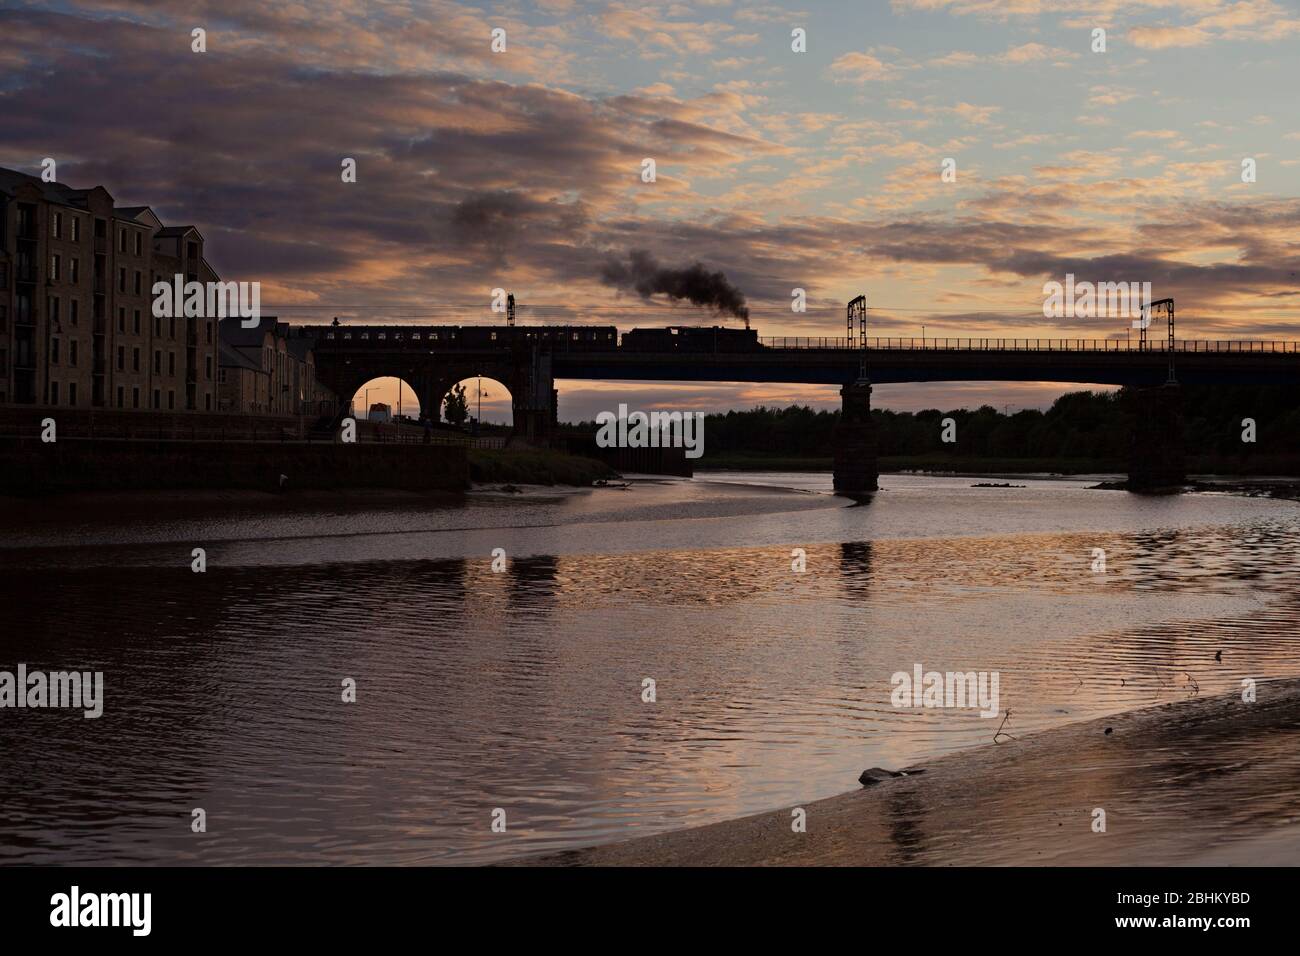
column 397, row 391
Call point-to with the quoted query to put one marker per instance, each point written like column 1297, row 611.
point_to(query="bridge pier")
column 856, row 474
column 1156, row 459
column 535, row 402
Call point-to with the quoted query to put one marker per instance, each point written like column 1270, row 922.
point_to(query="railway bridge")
column 528, row 360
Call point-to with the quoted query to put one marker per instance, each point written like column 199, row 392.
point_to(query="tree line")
column 1079, row 427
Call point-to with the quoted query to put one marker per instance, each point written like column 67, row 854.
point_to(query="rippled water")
column 523, row 690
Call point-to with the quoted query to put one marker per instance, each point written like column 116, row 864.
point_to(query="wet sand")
column 1202, row 781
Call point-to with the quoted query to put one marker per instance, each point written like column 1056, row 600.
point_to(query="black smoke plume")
column 642, row 274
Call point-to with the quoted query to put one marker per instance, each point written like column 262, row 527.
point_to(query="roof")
column 12, row 179
column 168, row 232
column 232, row 332
column 229, row 357
column 141, row 214
column 300, row 347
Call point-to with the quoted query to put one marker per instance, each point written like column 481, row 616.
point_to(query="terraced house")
column 76, row 319
column 269, row 369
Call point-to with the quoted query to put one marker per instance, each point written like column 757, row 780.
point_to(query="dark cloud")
column 696, row 284
column 495, row 221
column 462, row 176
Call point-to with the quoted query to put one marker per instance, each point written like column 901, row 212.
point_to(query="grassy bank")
column 534, row 467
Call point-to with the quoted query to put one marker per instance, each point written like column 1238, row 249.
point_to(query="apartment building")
column 76, row 305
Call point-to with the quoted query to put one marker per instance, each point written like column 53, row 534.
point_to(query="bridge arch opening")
column 487, row 401
column 386, row 398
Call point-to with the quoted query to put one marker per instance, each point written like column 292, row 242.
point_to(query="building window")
column 171, row 327
column 207, row 367
column 221, row 376
column 157, row 326
column 53, row 306
column 121, row 359
column 121, row 240
column 121, row 319
column 121, row 397
column 72, row 352
column 209, row 334
column 58, row 225
column 137, row 243
column 171, row 363
column 135, row 360
column 135, row 397
column 207, row 403
column 137, row 281
column 74, row 270
column 72, row 393
column 73, row 308
column 157, row 398
column 157, row 362
column 54, row 393
column 55, row 263
column 135, row 322
column 171, row 399
column 54, row 351
column 121, row 279
column 76, row 229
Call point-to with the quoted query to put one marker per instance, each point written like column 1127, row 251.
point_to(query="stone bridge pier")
column 856, row 474
column 528, row 375
column 1157, row 450
column 534, row 399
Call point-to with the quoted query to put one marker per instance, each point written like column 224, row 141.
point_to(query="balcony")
column 97, row 367
column 191, row 375
column 101, row 245
column 98, row 285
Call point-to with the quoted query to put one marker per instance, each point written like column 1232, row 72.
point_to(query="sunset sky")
column 819, row 170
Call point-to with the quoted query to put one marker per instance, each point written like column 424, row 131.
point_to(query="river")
column 524, row 690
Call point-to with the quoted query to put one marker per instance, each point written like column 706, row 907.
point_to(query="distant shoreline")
column 982, row 467
column 1196, row 781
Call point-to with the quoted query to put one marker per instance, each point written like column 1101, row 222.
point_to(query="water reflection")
column 855, row 566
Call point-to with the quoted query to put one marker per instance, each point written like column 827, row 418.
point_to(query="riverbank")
column 31, row 468
column 890, row 464
column 1198, row 781
column 535, row 467
column 954, row 465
